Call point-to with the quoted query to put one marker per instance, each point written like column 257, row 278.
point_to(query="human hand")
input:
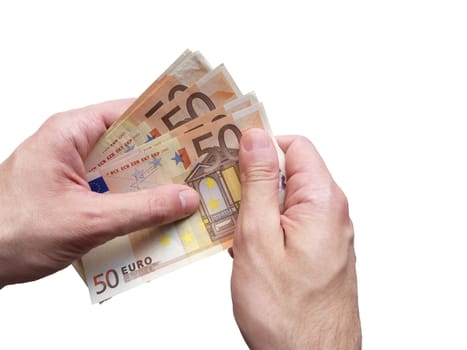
column 293, row 281
column 49, row 216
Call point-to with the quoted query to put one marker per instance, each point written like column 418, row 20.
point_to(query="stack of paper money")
column 185, row 129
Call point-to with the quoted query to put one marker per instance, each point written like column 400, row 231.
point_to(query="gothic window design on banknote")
column 219, row 190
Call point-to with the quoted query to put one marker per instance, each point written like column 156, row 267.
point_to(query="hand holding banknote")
column 184, row 177
column 49, row 217
column 293, row 281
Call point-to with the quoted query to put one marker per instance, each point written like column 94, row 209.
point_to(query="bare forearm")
column 345, row 334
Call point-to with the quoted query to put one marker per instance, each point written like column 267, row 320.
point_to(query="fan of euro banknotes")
column 184, row 129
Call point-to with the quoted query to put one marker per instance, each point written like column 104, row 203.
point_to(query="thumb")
column 121, row 213
column 259, row 218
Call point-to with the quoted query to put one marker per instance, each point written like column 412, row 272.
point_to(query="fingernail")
column 255, row 139
column 189, row 199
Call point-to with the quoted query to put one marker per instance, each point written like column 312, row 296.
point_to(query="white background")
column 379, row 87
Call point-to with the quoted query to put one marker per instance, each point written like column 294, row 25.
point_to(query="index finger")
column 302, row 156
column 84, row 126
column 306, row 172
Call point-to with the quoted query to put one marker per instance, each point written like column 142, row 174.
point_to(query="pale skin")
column 293, row 279
column 53, row 218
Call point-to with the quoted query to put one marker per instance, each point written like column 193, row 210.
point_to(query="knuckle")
column 247, row 231
column 348, row 232
column 302, row 140
column 249, row 228
column 341, row 212
column 260, row 172
column 331, row 196
column 340, row 200
column 92, row 226
column 159, row 210
column 53, row 120
column 339, row 207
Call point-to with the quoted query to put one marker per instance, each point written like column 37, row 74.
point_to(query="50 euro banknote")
column 210, row 92
column 187, row 69
column 205, row 158
column 94, row 178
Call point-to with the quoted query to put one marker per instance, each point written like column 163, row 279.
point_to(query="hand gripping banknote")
column 190, row 139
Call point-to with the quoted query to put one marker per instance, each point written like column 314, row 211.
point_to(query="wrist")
column 8, row 228
column 340, row 333
column 333, row 324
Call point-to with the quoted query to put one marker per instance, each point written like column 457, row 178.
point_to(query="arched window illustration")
column 220, row 193
column 212, row 196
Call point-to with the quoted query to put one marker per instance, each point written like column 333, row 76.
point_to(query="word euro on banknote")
column 204, row 158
